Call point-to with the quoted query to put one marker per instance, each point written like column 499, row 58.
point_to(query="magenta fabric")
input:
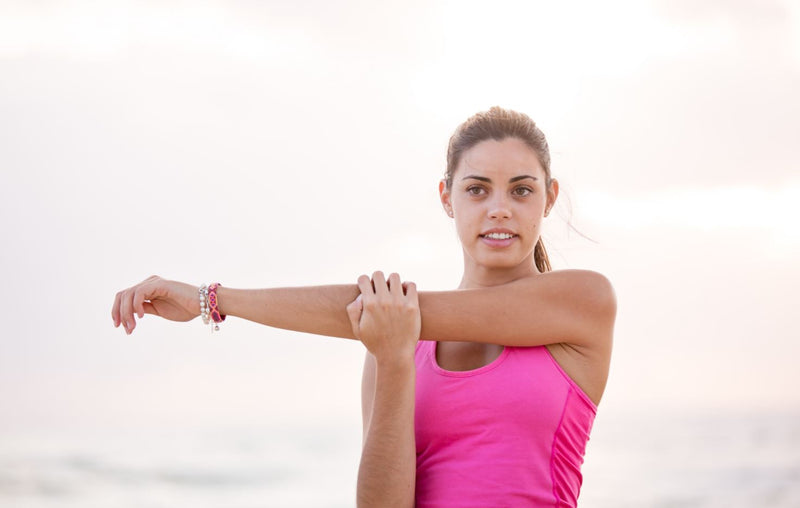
column 511, row 433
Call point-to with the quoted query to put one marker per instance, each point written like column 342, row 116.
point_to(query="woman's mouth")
column 498, row 240
column 498, row 236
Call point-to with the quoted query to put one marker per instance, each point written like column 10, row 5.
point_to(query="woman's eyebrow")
column 479, row 178
column 489, row 180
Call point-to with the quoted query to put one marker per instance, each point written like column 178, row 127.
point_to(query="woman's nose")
column 499, row 208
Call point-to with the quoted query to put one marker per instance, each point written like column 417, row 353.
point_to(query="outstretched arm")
column 576, row 307
column 569, row 306
column 566, row 306
column 313, row 309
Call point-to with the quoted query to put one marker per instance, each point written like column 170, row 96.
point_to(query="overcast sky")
column 293, row 143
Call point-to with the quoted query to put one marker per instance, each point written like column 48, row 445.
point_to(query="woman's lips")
column 498, row 240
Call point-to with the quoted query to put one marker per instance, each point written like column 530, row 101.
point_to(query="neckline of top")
column 466, row 373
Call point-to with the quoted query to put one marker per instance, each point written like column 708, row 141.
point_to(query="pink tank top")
column 511, row 433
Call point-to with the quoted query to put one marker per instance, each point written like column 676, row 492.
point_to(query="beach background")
column 297, row 143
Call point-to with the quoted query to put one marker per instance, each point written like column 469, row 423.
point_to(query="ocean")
column 680, row 459
column 708, row 459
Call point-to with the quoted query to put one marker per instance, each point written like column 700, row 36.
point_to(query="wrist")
column 395, row 362
column 224, row 298
column 208, row 303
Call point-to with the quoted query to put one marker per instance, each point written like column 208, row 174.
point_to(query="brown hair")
column 499, row 124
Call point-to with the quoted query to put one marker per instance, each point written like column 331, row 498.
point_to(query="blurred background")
column 298, row 143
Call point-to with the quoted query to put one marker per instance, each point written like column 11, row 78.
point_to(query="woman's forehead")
column 502, row 160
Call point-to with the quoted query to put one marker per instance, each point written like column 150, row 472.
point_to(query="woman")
column 481, row 396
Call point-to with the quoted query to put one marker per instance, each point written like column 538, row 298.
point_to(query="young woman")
column 481, row 396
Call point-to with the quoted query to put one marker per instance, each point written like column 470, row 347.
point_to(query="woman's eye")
column 475, row 191
column 522, row 191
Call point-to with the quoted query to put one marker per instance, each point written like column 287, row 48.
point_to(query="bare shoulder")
column 591, row 298
column 586, row 359
column 580, row 279
column 591, row 288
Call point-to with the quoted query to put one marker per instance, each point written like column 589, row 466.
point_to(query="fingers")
column 115, row 310
column 383, row 286
column 130, row 301
column 354, row 309
column 365, row 286
column 379, row 281
column 378, row 286
column 126, row 311
column 411, row 292
column 138, row 302
column 119, row 311
column 395, row 285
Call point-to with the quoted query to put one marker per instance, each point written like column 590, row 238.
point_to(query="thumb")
column 354, row 313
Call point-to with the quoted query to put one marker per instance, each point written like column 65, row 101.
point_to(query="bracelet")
column 203, row 293
column 216, row 315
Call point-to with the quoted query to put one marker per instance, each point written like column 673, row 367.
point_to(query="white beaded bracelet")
column 204, row 307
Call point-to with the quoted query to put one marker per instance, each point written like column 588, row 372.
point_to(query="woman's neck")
column 478, row 276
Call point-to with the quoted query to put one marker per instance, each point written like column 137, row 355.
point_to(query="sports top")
column 510, row 433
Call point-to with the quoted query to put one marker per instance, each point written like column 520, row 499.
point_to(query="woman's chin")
column 500, row 261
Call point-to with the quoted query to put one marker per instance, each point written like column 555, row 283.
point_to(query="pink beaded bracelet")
column 216, row 316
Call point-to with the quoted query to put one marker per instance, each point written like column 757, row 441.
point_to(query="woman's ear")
column 552, row 195
column 444, row 196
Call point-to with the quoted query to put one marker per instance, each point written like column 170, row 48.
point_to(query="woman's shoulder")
column 585, row 282
column 590, row 290
column 578, row 273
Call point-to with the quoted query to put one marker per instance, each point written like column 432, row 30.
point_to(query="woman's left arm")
column 386, row 319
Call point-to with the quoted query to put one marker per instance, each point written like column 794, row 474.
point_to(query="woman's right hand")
column 169, row 299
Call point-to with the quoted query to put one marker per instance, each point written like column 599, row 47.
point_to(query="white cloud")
column 793, row 8
column 703, row 209
column 100, row 31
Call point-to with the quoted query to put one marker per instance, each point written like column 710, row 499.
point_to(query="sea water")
column 680, row 459
column 701, row 459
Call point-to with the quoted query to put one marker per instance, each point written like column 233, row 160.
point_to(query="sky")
column 264, row 144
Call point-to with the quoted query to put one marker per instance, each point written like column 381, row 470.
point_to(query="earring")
column 450, row 213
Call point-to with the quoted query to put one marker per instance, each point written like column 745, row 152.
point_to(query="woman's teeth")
column 499, row 236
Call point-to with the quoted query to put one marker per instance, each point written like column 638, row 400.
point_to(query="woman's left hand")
column 385, row 317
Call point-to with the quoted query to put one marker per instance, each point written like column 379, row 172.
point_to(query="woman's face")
column 498, row 198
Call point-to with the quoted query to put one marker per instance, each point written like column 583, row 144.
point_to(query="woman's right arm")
column 575, row 307
column 319, row 310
